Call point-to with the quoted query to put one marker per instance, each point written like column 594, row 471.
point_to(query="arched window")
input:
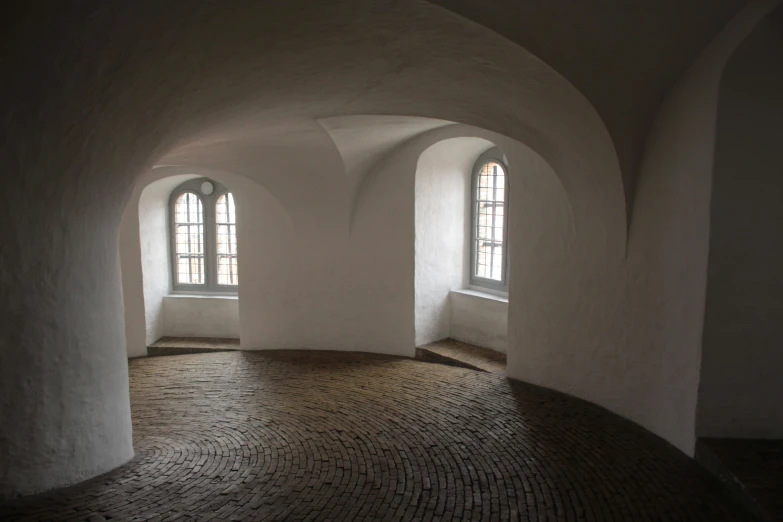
column 204, row 238
column 489, row 256
column 189, row 239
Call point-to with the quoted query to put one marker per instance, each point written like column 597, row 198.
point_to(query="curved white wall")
column 144, row 260
column 668, row 241
column 337, row 270
column 64, row 399
column 742, row 365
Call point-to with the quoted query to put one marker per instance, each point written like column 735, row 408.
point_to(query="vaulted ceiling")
column 168, row 72
column 623, row 55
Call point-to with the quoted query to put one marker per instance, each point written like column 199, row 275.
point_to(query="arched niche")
column 442, row 232
column 566, row 254
column 263, row 228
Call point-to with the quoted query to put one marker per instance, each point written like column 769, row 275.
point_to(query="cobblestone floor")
column 326, row 436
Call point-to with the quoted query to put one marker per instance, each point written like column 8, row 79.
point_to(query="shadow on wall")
column 742, row 360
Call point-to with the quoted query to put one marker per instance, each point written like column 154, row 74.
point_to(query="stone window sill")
column 477, row 294
column 202, row 296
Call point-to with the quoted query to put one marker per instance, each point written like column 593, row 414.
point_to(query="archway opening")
column 461, row 257
column 179, row 253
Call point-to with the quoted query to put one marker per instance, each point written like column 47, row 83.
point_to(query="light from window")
column 226, row 219
column 490, row 220
column 189, row 229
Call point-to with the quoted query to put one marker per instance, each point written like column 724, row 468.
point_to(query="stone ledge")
column 187, row 345
column 456, row 353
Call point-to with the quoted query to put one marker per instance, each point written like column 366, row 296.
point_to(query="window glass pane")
column 189, row 239
column 227, row 262
column 489, row 230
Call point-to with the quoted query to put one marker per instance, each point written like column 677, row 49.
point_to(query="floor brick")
column 345, row 436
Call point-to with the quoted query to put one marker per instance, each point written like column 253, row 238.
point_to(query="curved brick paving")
column 327, row 436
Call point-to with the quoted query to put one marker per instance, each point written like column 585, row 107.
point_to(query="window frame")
column 208, row 202
column 493, row 155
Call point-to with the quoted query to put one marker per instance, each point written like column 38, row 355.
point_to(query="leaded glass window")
column 204, row 254
column 226, row 218
column 189, row 239
column 489, row 230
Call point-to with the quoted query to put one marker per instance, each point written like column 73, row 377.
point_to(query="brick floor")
column 326, row 436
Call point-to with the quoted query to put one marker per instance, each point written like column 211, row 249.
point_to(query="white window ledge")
column 203, row 296
column 481, row 295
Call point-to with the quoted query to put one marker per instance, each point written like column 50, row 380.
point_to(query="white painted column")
column 63, row 370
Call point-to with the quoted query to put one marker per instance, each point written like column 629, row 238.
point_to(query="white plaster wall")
column 201, row 316
column 144, row 258
column 566, row 314
column 442, row 215
column 131, row 271
column 297, row 290
column 64, row 401
column 742, row 357
column 668, row 244
column 309, row 276
column 153, row 217
column 479, row 319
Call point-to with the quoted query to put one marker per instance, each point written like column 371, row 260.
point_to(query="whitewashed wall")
column 200, row 316
column 478, row 318
column 442, row 213
column 668, row 243
column 144, row 261
column 742, row 367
